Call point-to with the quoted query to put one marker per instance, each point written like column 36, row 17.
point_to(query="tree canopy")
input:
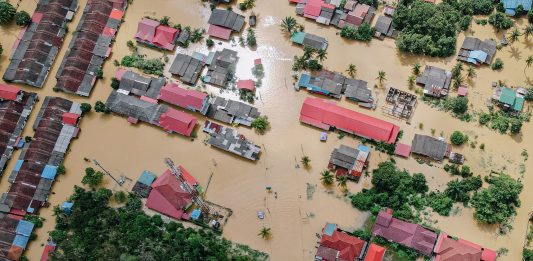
column 7, row 12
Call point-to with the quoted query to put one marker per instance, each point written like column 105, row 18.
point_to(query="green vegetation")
column 115, row 83
column 400, row 252
column 250, row 38
column 1, row 49
column 458, row 138
column 352, row 70
column 92, row 178
column 530, row 16
column 527, row 254
column 7, row 12
column 36, row 220
column 85, row 108
column 96, row 231
column 458, row 106
column 209, row 42
column 247, row 4
column 454, row 170
column 265, row 233
column 461, row 190
column 61, row 170
column 165, row 21
column 120, row 197
column 502, row 121
column 101, row 107
column 261, row 124
column 22, row 18
column 247, row 96
column 100, row 73
column 289, row 25
column 342, row 182
column 497, row 64
column 500, row 21
column 382, row 76
column 416, row 69
column 361, row 33
column 327, row 178
column 149, row 66
column 307, row 61
column 306, row 161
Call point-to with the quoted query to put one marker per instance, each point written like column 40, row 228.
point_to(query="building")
column 357, row 90
column 223, row 22
column 16, row 234
column 246, row 85
column 450, row 249
column 436, row 81
column 331, row 84
column 384, row 27
column 477, row 52
column 188, row 99
column 404, row 233
column 511, row 5
column 400, row 104
column 430, row 147
column 135, row 108
column 402, row 150
column 187, row 68
column 139, row 85
column 231, row 112
column 336, row 244
column 510, row 99
column 309, row 40
column 176, row 121
column 221, row 67
column 229, row 140
column 325, row 115
column 90, row 47
column 154, row 34
column 35, row 53
column 349, row 161
column 374, row 253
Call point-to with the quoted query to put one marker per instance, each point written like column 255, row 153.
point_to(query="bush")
column 92, row 178
column 120, row 197
column 61, row 169
column 101, row 107
column 22, row 18
column 7, row 13
column 527, row 254
column 314, row 65
column 497, row 65
column 115, row 83
column 362, row 33
column 149, row 66
column 261, row 124
column 484, row 118
column 498, row 202
column 530, row 16
column 458, row 138
column 460, row 105
column 465, row 22
column 250, row 38
column 209, row 42
column 516, row 126
column 519, row 11
column 440, row 203
column 500, row 21
column 85, row 108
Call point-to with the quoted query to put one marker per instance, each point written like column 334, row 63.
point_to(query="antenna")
column 195, row 196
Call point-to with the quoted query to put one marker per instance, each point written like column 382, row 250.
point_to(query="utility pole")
column 119, row 182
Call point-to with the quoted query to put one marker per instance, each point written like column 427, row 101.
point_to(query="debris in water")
column 310, row 191
column 260, row 214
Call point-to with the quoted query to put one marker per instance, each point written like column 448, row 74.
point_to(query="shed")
column 462, row 91
column 49, row 172
column 9, row 92
column 402, row 150
column 70, row 118
column 246, row 85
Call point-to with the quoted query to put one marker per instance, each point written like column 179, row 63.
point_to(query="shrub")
column 101, row 107
column 500, row 21
column 527, row 254
column 519, row 11
column 92, row 178
column 250, row 38
column 460, row 105
column 362, row 33
column 61, row 169
column 7, row 12
column 209, row 42
column 85, row 108
column 498, row 202
column 115, row 83
column 22, row 18
column 497, row 65
column 120, row 197
column 261, row 124
column 458, row 138
column 516, row 126
column 440, row 203
column 484, row 118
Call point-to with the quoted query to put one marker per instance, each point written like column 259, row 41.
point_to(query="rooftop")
column 430, row 147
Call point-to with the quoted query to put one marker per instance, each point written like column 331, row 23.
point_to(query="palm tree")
column 382, row 76
column 528, row 31
column 515, row 33
column 529, row 62
column 288, row 24
column 458, row 81
column 411, row 82
column 305, row 161
column 352, row 70
column 308, row 52
column 321, row 55
column 456, row 70
column 416, row 69
column 342, row 182
column 327, row 178
column 471, row 72
column 265, row 233
column 249, row 4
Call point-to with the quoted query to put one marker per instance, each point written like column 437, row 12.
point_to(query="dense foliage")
column 458, row 138
column 502, row 121
column 498, row 202
column 361, row 33
column 261, row 124
column 497, row 64
column 85, row 108
column 500, row 21
column 460, row 190
column 22, row 18
column 95, row 231
column 101, row 107
column 149, row 66
column 7, row 12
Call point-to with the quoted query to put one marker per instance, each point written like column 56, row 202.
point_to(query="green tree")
column 321, row 55
column 101, row 107
column 61, row 169
column 514, row 35
column 382, row 76
column 516, row 126
column 527, row 254
column 500, row 21
column 92, row 178
column 165, row 21
column 288, row 25
column 342, row 182
column 528, row 31
column 458, row 138
column 529, row 62
column 530, row 16
column 305, row 161
column 314, row 65
column 7, row 13
column 261, row 124
column 460, row 105
column 457, row 70
column 497, row 65
column 411, row 80
column 471, row 72
column 209, row 42
column 85, row 108
column 327, row 177
column 419, row 183
column 456, row 191
column 250, row 38
column 1, row 49
column 22, row 18
column 120, row 196
column 416, row 69
column 265, row 233
column 352, row 70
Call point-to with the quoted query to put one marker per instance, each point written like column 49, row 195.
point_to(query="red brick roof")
column 348, row 247
column 8, row 92
column 177, row 121
column 374, row 253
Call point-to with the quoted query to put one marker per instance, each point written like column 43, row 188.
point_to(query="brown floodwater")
column 239, row 184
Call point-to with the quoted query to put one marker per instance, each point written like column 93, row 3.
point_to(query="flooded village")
column 188, row 138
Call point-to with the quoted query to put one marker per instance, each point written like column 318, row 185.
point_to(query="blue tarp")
column 323, row 136
column 67, row 207
column 195, row 215
column 304, row 80
column 478, row 55
column 21, row 143
column 24, row 228
column 18, row 165
column 513, row 4
column 147, row 178
column 21, row 241
column 49, row 172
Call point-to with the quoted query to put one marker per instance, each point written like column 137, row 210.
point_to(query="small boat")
column 252, row 19
column 260, row 214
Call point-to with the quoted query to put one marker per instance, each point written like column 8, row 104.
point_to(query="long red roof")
column 449, row 249
column 323, row 114
column 187, row 99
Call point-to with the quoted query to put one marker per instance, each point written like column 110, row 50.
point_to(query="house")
column 402, row 150
column 325, row 115
column 430, row 147
column 139, row 85
column 90, row 47
column 312, row 9
column 221, row 67
column 326, row 14
column 510, row 99
column 309, row 40
column 154, row 34
column 374, row 253
column 357, row 90
column 436, row 81
column 511, row 5
column 336, row 244
column 350, row 5
column 188, row 68
column 226, row 19
column 246, row 85
column 143, row 186
column 384, row 27
column 168, row 196
column 219, row 32
column 362, row 13
column 326, row 84
column 462, row 91
column 176, row 121
column 400, row 104
column 450, row 249
column 10, row 92
column 188, row 99
column 231, row 112
column 349, row 161
column 135, row 108
column 389, row 10
column 229, row 140
column 404, row 233
column 477, row 52
column 36, row 51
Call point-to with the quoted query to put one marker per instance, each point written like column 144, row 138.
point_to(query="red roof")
column 148, row 99
column 403, row 150
column 109, row 31
column 116, row 14
column 167, row 197
column 374, row 253
column 8, row 92
column 449, row 249
column 322, row 114
column 246, row 85
column 312, row 8
column 219, row 32
column 176, row 121
column 408, row 234
column 258, row 62
column 36, row 17
column 70, row 118
column 47, row 250
column 119, row 73
column 462, row 91
column 348, row 247
column 146, row 29
column 165, row 36
column 187, row 99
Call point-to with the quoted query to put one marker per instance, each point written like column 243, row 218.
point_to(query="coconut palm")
column 308, row 52
column 528, row 31
column 471, row 72
column 288, row 24
column 515, row 33
column 352, row 70
column 265, row 233
column 342, row 182
column 321, row 55
column 416, row 69
column 411, row 82
column 305, row 161
column 458, row 81
column 327, row 177
column 249, row 4
column 382, row 76
column 457, row 70
column 529, row 62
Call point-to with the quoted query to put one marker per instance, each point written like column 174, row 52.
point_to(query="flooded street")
column 126, row 149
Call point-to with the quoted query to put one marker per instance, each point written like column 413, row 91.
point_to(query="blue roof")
column 513, row 4
column 304, row 80
column 49, row 172
column 67, row 207
column 24, row 228
column 363, row 148
column 18, row 165
column 329, row 229
column 21, row 241
column 478, row 55
column 147, row 178
column 196, row 214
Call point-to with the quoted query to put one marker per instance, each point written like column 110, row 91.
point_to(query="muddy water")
column 128, row 150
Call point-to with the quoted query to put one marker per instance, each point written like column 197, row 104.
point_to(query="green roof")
column 518, row 104
column 298, row 37
column 508, row 96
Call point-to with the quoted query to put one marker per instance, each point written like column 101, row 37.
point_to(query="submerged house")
column 36, row 51
column 153, row 33
column 309, row 40
column 510, row 99
column 477, row 52
column 358, row 91
column 384, row 27
column 229, row 140
column 223, row 22
column 187, row 68
column 188, row 99
column 436, row 81
column 90, row 47
column 139, row 85
column 231, row 112
column 404, row 233
column 336, row 244
column 16, row 234
column 326, row 115
column 374, row 253
column 326, row 83
column 436, row 149
column 349, row 161
column 511, row 5
column 221, row 67
column 450, row 249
